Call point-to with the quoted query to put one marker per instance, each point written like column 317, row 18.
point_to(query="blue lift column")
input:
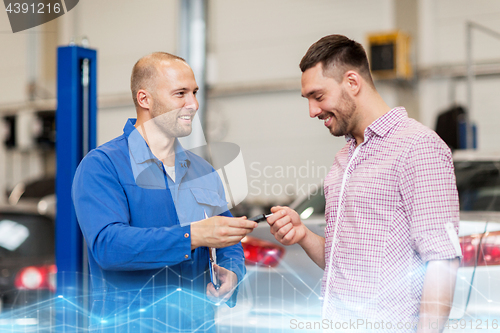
column 76, row 135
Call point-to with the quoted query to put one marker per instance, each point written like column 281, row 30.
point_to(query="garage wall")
column 442, row 27
column 251, row 43
column 13, row 62
column 12, row 81
column 263, row 40
column 122, row 32
column 442, row 36
column 254, row 50
column 111, row 121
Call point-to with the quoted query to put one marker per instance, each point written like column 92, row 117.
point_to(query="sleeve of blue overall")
column 102, row 210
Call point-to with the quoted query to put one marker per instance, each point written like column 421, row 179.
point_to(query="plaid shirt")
column 391, row 206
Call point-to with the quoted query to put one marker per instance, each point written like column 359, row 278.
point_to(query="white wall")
column 250, row 42
column 264, row 40
column 111, row 120
column 442, row 27
column 13, row 62
column 123, row 31
column 442, row 42
column 257, row 42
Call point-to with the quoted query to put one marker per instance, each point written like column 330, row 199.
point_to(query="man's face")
column 329, row 101
column 174, row 99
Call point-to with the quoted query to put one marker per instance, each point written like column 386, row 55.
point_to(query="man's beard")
column 345, row 113
column 166, row 121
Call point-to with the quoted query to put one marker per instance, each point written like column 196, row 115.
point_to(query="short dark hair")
column 337, row 54
column 145, row 72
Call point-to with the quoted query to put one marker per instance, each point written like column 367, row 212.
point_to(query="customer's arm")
column 430, row 200
column 437, row 295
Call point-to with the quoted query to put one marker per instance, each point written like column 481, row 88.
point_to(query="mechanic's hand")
column 220, row 231
column 228, row 282
column 286, row 225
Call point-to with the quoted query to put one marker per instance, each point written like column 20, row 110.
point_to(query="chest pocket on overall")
column 202, row 201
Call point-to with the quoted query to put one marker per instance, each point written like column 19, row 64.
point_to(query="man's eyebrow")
column 309, row 93
column 179, row 90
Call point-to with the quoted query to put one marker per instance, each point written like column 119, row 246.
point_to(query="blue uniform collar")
column 142, row 159
column 139, row 149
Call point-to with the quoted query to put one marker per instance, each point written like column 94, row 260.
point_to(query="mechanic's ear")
column 144, row 99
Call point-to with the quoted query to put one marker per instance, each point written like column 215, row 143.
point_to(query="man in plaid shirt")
column 391, row 250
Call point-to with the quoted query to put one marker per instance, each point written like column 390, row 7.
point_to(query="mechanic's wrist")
column 195, row 243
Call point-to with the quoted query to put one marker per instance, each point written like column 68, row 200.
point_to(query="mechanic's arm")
column 437, row 295
column 103, row 214
column 119, row 246
column 288, row 229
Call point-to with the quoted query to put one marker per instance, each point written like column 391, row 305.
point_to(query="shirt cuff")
column 185, row 241
column 439, row 247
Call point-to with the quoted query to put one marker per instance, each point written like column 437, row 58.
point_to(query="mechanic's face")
column 174, row 100
column 329, row 101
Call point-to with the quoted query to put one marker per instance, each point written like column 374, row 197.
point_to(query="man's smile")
column 186, row 118
column 328, row 118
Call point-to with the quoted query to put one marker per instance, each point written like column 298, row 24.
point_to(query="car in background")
column 27, row 256
column 279, row 293
column 477, row 297
column 27, row 270
column 32, row 190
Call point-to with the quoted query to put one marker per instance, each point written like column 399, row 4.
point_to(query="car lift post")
column 76, row 135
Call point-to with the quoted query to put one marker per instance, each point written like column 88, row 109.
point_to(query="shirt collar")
column 139, row 149
column 383, row 124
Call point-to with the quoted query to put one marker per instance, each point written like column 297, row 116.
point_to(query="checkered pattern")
column 399, row 193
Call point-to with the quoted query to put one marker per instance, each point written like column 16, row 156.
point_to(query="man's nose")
column 191, row 102
column 314, row 110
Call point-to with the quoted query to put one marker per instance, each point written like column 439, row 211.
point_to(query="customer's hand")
column 286, row 225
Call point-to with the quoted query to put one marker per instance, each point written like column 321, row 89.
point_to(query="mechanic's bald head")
column 145, row 72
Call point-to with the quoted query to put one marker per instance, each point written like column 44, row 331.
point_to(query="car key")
column 260, row 218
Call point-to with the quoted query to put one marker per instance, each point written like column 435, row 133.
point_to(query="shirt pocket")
column 209, row 200
column 207, row 197
column 196, row 201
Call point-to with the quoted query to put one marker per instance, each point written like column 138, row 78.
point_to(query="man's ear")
column 352, row 81
column 144, row 99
